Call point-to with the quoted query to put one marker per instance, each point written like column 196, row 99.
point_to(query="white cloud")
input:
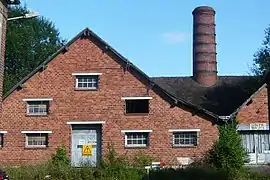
column 175, row 37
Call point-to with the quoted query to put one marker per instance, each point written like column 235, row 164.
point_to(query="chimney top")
column 206, row 9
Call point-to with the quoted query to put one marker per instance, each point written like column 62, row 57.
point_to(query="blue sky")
column 156, row 35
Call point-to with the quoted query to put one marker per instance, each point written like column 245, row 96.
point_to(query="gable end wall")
column 105, row 104
column 256, row 111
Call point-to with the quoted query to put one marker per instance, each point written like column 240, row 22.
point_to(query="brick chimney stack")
column 3, row 25
column 204, row 46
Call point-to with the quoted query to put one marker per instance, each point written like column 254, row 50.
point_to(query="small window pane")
column 185, row 139
column 37, row 108
column 87, row 82
column 37, row 140
column 137, row 139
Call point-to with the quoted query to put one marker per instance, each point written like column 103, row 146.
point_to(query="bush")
column 141, row 160
column 228, row 153
column 112, row 158
column 116, row 168
column 61, row 156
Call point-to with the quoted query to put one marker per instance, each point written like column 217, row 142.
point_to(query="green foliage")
column 38, row 172
column 112, row 158
column 262, row 56
column 228, row 153
column 28, row 43
column 142, row 160
column 117, row 169
column 61, row 156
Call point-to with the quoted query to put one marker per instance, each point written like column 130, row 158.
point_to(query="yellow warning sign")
column 87, row 150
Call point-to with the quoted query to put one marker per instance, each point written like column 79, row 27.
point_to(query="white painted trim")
column 137, row 131
column 184, row 130
column 86, row 122
column 136, row 145
column 35, row 146
column 3, row 132
column 135, row 98
column 38, row 99
column 86, row 74
column 39, row 132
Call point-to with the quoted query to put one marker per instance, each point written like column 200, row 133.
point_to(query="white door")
column 85, row 135
column 257, row 145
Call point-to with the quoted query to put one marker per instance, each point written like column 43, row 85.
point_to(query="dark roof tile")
column 222, row 98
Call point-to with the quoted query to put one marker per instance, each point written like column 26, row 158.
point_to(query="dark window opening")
column 1, row 140
column 137, row 106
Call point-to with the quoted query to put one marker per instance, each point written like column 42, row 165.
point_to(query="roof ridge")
column 86, row 33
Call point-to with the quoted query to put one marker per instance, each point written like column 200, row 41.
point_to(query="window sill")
column 136, row 147
column 136, row 114
column 184, row 146
column 78, row 89
column 37, row 115
column 36, row 147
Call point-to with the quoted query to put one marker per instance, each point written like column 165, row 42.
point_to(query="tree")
column 228, row 153
column 262, row 56
column 28, row 43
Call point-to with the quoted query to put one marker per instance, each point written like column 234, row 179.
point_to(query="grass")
column 66, row 172
column 123, row 172
column 116, row 167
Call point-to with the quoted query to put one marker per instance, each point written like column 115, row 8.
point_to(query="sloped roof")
column 220, row 99
column 87, row 33
column 223, row 98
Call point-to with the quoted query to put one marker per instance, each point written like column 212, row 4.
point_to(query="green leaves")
column 28, row 43
column 262, row 56
column 228, row 153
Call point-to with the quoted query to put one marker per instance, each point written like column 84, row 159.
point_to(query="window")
column 188, row 138
column 37, row 107
column 136, row 138
column 36, row 140
column 137, row 106
column 87, row 82
column 2, row 138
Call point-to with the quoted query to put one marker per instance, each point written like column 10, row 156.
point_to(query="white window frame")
column 37, row 106
column 2, row 138
column 136, row 98
column 147, row 132
column 85, row 122
column 175, row 131
column 86, row 74
column 87, row 88
column 38, row 99
column 46, row 102
column 27, row 133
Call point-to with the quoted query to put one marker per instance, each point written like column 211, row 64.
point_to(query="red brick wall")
column 3, row 21
column 256, row 111
column 105, row 104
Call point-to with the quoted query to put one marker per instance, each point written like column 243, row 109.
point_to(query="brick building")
column 87, row 93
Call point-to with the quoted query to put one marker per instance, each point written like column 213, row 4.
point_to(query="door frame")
column 88, row 125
